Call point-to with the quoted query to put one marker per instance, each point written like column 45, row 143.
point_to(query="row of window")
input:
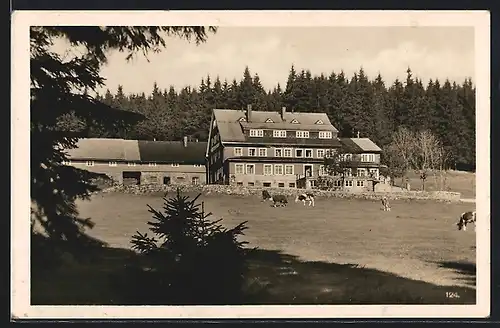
column 298, row 134
column 152, row 164
column 280, row 152
column 279, row 169
column 267, row 184
column 301, row 153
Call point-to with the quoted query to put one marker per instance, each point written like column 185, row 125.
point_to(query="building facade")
column 280, row 149
column 142, row 162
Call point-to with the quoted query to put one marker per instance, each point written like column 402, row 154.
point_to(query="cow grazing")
column 307, row 197
column 266, row 195
column 385, row 204
column 466, row 218
column 280, row 200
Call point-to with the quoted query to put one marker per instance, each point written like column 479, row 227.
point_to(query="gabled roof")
column 232, row 130
column 105, row 149
column 359, row 145
column 172, row 152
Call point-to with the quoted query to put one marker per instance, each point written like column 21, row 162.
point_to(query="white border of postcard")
column 20, row 151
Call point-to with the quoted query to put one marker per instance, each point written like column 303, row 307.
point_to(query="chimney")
column 185, row 141
column 283, row 111
column 249, row 112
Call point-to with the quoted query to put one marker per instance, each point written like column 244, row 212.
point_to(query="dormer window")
column 256, row 133
column 294, row 121
column 319, row 122
column 325, row 134
column 269, row 121
column 242, row 119
column 302, row 134
column 279, row 133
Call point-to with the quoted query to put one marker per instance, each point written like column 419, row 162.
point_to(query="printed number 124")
column 452, row 295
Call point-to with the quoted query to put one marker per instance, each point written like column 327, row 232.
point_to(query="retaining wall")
column 246, row 191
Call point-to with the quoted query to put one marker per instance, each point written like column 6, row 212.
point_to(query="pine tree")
column 195, row 260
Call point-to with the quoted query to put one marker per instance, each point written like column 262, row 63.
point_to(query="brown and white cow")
column 385, row 204
column 280, row 200
column 306, row 197
column 466, row 218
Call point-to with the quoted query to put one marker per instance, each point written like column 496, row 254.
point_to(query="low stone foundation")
column 247, row 191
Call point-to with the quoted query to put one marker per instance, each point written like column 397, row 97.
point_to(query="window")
column 287, row 152
column 250, row 169
column 374, row 173
column 299, row 153
column 279, row 133
column 238, row 151
column 338, row 183
column 197, row 165
column 322, row 170
column 330, row 153
column 294, row 121
column 278, row 169
column 239, row 183
column 173, row 165
column 325, row 134
column 346, row 157
column 268, row 169
column 348, row 183
column 256, row 133
column 112, row 164
column 66, row 162
column 238, row 168
column 360, row 183
column 263, row 152
column 309, row 153
column 266, row 184
column 281, row 185
column 361, row 172
column 269, row 121
column 319, row 122
column 131, row 164
column 278, row 152
column 252, row 152
column 348, row 172
column 320, row 153
column 242, row 119
column 90, row 163
column 153, row 164
column 289, row 169
column 251, row 184
column 291, row 185
column 368, row 157
column 195, row 180
column 302, row 134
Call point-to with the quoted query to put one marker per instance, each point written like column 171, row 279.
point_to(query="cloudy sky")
column 431, row 52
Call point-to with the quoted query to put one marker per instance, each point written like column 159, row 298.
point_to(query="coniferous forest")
column 353, row 103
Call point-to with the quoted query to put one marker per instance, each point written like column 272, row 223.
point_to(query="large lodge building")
column 245, row 148
column 282, row 149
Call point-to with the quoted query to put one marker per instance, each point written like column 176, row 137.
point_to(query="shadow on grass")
column 466, row 271
column 273, row 278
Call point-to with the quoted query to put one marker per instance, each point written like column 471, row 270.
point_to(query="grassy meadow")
column 342, row 251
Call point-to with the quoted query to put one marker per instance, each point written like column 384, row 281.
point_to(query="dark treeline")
column 355, row 103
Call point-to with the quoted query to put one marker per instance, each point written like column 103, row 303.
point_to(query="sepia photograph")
column 250, row 164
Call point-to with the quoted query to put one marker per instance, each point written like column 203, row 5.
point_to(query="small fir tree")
column 191, row 259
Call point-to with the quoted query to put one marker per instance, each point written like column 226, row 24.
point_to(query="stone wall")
column 247, row 191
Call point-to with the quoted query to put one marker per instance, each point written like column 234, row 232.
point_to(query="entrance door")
column 308, row 170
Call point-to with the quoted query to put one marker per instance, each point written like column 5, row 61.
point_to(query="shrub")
column 190, row 260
